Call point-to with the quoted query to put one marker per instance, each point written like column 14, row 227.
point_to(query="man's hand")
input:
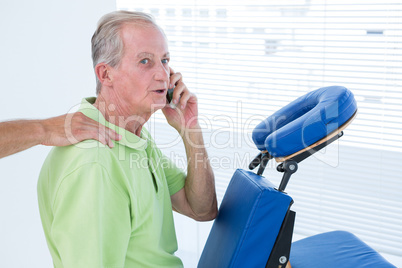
column 72, row 128
column 185, row 115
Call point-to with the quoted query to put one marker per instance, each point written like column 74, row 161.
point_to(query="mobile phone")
column 169, row 97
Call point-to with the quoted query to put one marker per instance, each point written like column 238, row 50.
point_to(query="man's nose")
column 162, row 73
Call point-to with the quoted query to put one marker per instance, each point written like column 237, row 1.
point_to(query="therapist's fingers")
column 73, row 128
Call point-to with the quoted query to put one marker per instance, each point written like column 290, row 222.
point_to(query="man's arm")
column 19, row 135
column 198, row 197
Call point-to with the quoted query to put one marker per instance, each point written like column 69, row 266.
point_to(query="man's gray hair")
column 107, row 45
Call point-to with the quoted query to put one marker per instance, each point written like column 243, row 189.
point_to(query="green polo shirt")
column 109, row 208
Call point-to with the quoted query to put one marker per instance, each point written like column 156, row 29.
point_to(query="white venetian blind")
column 247, row 59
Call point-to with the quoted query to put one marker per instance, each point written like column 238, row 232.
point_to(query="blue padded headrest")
column 305, row 121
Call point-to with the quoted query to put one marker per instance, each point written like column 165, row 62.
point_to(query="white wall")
column 45, row 69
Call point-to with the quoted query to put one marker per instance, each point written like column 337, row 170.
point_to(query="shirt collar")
column 128, row 139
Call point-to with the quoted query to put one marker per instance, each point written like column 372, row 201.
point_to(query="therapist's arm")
column 19, row 135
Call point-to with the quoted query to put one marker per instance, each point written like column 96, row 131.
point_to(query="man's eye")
column 144, row 61
column 164, row 61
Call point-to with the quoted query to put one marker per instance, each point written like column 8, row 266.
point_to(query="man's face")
column 141, row 80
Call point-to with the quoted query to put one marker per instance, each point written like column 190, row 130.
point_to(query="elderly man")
column 112, row 207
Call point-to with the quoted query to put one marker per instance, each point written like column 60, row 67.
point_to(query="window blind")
column 246, row 59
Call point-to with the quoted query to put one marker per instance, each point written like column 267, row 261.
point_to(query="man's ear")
column 102, row 71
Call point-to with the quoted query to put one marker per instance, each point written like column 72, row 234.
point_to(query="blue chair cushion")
column 305, row 121
column 334, row 250
column 248, row 222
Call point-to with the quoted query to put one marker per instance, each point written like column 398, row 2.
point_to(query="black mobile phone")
column 169, row 95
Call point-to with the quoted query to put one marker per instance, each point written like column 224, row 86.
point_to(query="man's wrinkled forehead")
column 137, row 34
column 142, row 24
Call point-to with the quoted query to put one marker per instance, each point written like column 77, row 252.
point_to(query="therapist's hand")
column 72, row 128
column 19, row 135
